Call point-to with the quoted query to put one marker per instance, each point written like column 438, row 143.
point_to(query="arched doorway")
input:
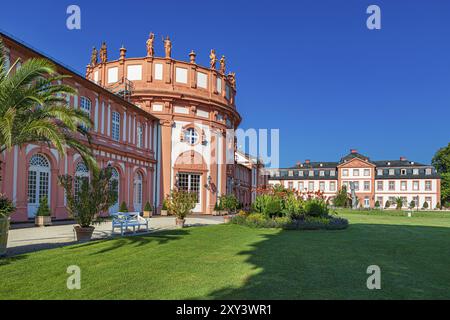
column 38, row 182
column 115, row 177
column 137, row 187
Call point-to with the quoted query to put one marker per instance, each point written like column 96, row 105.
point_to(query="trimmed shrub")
column 123, row 207
column 387, row 205
column 377, row 204
column 6, row 206
column 412, row 204
column 315, row 208
column 148, row 207
column 425, row 205
column 273, row 208
column 43, row 210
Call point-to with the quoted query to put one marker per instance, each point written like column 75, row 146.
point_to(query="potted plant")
column 43, row 215
column 148, row 210
column 229, row 203
column 6, row 210
column 123, row 207
column 164, row 209
column 180, row 203
column 425, row 205
column 218, row 208
column 96, row 195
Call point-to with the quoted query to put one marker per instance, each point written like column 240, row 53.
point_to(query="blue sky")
column 309, row 68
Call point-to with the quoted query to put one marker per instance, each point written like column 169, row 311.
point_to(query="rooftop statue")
column 222, row 65
column 213, row 59
column 94, row 57
column 168, row 46
column 232, row 78
column 150, row 41
column 103, row 53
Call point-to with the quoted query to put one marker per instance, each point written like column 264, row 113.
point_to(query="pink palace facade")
column 159, row 122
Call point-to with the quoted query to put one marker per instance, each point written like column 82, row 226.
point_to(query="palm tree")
column 33, row 109
column 399, row 202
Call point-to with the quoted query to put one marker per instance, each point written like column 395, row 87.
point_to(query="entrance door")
column 115, row 176
column 38, row 183
column 137, row 192
column 191, row 182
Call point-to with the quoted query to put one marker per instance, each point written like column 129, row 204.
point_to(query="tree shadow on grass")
column 293, row 265
column 8, row 260
column 160, row 238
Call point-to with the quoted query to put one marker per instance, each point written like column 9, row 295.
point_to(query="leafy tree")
column 441, row 161
column 229, row 202
column 33, row 108
column 96, row 195
column 181, row 203
column 342, row 198
column 412, row 204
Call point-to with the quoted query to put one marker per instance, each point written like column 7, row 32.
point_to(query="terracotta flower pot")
column 227, row 218
column 42, row 221
column 84, row 234
column 180, row 222
column 4, row 229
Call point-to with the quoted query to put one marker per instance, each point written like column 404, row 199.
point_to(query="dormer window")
column 291, row 173
column 416, row 172
column 380, row 172
column 391, row 172
column 311, row 173
column 322, row 173
column 403, row 172
column 428, row 171
column 300, row 173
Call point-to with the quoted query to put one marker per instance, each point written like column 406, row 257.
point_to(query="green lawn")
column 235, row 262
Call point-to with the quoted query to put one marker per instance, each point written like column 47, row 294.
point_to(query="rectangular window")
column 290, row 185
column 345, row 172
column 134, row 73
column 228, row 92
column 202, row 80
column 403, row 172
column 300, row 173
column 115, row 125
column 391, row 172
column 416, row 172
column 428, row 171
column 392, row 201
column 356, row 172
column 332, row 186
column 301, row 186
column 356, row 183
column 311, row 186
column 311, row 173
column 322, row 173
column 416, row 185
column 332, row 173
column 427, row 185
column 139, row 135
column 391, row 185
column 367, row 172
column 366, row 202
column 403, row 186
column 158, row 71
column 219, row 84
column 291, row 173
column 113, row 75
column 181, row 75
column 380, row 172
column 380, row 201
column 366, row 185
column 428, row 200
column 380, row 185
column 322, row 186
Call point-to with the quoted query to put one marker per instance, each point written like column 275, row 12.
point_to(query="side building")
column 374, row 181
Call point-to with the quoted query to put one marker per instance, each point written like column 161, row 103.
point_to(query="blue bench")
column 125, row 220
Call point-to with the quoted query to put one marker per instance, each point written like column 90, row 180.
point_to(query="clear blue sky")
column 310, row 68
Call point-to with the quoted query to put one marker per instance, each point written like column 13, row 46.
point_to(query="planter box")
column 227, row 218
column 43, row 221
column 4, row 229
column 164, row 213
column 148, row 214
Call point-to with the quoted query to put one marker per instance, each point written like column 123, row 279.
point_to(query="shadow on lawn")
column 160, row 237
column 332, row 264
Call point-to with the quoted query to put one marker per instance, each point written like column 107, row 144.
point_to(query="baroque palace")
column 373, row 181
column 159, row 122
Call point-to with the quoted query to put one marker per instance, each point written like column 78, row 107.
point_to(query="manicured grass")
column 236, row 262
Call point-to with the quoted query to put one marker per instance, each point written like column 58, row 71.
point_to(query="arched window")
column 38, row 182
column 115, row 177
column 191, row 136
column 81, row 174
column 137, row 187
